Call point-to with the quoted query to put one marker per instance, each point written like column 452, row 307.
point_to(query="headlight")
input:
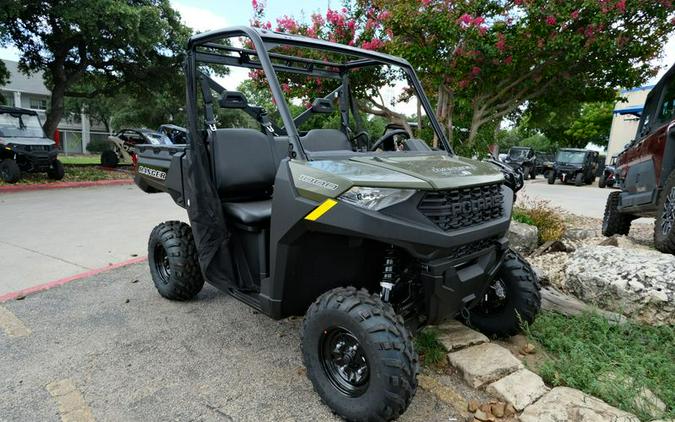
column 375, row 198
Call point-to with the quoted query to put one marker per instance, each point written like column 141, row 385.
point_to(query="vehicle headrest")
column 232, row 99
column 322, row 105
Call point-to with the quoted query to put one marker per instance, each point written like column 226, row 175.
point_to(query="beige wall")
column 624, row 127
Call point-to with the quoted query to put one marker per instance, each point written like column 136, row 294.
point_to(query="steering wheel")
column 360, row 134
column 387, row 136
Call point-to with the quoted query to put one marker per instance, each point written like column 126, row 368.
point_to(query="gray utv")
column 370, row 239
column 24, row 147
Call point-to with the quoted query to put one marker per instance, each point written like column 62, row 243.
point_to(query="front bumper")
column 35, row 158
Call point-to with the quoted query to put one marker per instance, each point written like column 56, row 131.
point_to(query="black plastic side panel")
column 160, row 169
column 668, row 155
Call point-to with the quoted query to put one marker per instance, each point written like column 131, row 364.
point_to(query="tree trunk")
column 450, row 109
column 56, row 108
column 475, row 125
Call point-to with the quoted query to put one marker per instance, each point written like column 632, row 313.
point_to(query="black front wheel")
column 512, row 299
column 602, row 183
column 551, row 177
column 56, row 171
column 615, row 222
column 109, row 158
column 174, row 265
column 579, row 179
column 10, row 171
column 359, row 356
column 664, row 230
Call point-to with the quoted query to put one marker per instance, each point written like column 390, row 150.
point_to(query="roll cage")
column 203, row 49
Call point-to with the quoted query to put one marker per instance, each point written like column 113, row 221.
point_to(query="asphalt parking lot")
column 109, row 348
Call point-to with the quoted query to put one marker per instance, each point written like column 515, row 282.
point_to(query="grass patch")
column 549, row 222
column 73, row 174
column 80, row 159
column 429, row 348
column 612, row 362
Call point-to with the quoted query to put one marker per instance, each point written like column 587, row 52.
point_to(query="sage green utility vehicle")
column 333, row 207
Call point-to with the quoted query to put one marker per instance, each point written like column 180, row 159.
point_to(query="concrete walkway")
column 48, row 235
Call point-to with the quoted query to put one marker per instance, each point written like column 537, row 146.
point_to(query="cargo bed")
column 161, row 169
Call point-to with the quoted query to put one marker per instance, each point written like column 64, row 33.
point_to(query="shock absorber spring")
column 388, row 273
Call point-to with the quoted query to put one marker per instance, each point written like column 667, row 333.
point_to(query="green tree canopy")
column 88, row 48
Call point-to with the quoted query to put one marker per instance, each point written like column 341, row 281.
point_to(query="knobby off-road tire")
column 383, row 344
column 10, row 171
column 173, row 261
column 503, row 317
column 109, row 158
column 615, row 222
column 602, row 182
column 578, row 179
column 56, row 171
column 664, row 229
column 551, row 177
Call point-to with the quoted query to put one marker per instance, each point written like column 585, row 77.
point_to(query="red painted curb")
column 64, row 185
column 62, row 281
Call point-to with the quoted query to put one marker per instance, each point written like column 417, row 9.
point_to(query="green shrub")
column 548, row 221
column 430, row 349
column 98, row 146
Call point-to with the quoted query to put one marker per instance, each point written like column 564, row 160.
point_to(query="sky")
column 203, row 15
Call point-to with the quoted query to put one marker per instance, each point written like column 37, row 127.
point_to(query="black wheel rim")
column 344, row 361
column 668, row 215
column 161, row 262
column 494, row 299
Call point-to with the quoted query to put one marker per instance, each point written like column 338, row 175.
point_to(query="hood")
column 25, row 141
column 322, row 178
column 439, row 171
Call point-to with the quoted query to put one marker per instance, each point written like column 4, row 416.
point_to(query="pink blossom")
column 255, row 4
column 384, row 15
column 463, row 83
column 372, row 45
column 466, row 19
column 518, row 2
column 475, row 70
column 426, row 2
column 575, row 14
column 478, row 20
column 550, row 20
column 621, row 5
column 286, row 88
column 501, row 42
column 482, row 29
column 672, row 21
column 508, row 60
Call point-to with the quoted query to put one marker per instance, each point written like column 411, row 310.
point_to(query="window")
column 667, row 109
column 38, row 103
column 7, row 98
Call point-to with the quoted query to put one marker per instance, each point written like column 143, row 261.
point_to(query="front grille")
column 459, row 208
column 471, row 248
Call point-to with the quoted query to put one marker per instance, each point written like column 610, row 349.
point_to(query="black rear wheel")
column 10, row 171
column 551, row 177
column 602, row 182
column 512, row 299
column 579, row 179
column 174, row 265
column 615, row 222
column 359, row 355
column 664, row 230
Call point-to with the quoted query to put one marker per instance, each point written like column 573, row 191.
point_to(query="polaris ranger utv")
column 645, row 171
column 574, row 165
column 524, row 158
column 370, row 239
column 24, row 147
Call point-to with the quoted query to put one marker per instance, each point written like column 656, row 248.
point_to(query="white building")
column 75, row 130
column 626, row 119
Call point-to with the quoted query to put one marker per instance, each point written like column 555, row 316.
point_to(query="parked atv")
column 574, row 165
column 121, row 151
column 24, row 147
column 369, row 242
column 544, row 163
column 524, row 158
column 177, row 134
column 646, row 171
column 608, row 176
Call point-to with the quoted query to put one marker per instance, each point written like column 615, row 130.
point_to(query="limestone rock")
column 568, row 404
column 454, row 335
column 523, row 237
column 520, row 389
column 484, row 363
column 636, row 282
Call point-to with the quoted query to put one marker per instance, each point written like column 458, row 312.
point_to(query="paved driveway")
column 47, row 235
column 111, row 349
